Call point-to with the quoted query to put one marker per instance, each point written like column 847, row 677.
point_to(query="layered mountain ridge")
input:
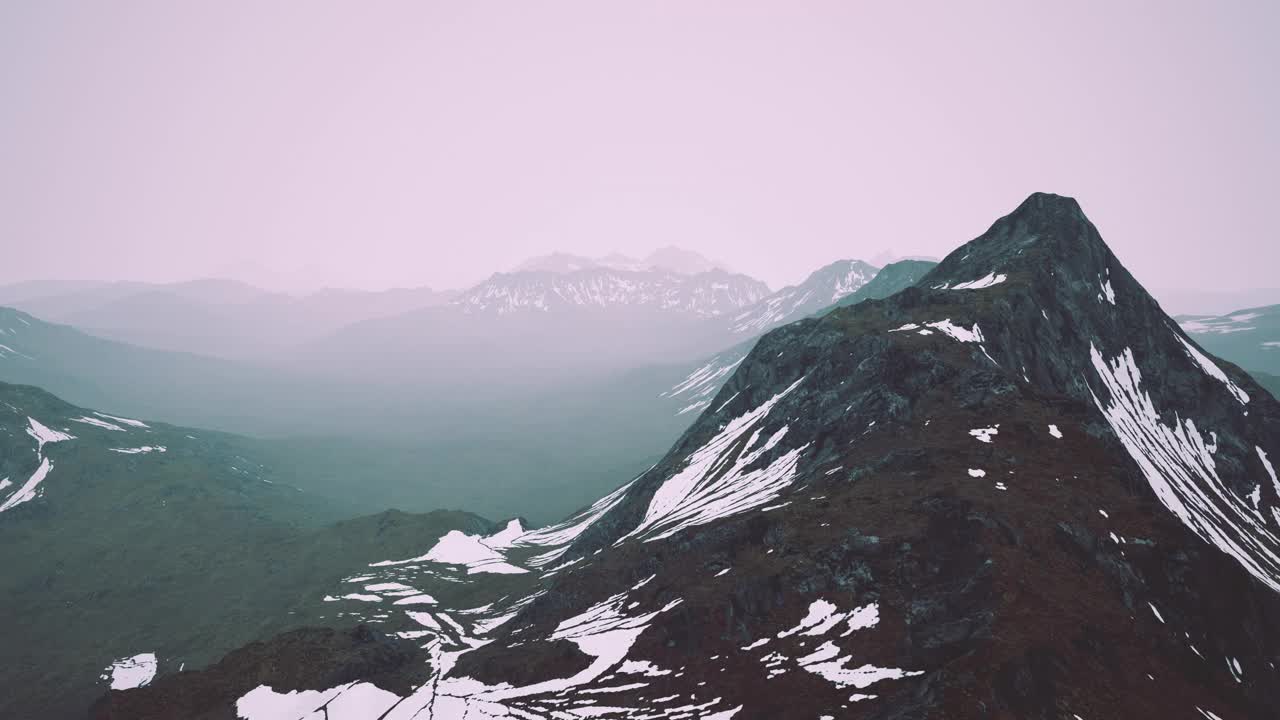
column 706, row 294
column 1015, row 489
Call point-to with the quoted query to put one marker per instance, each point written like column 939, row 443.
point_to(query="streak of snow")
column 45, row 435
column 126, row 421
column 98, row 423
column 716, row 482
column 1182, row 472
column 139, row 450
column 983, row 282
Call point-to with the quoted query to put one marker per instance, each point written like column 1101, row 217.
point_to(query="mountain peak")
column 1049, row 204
column 1046, row 240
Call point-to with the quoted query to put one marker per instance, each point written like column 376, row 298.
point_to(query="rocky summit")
column 1015, row 489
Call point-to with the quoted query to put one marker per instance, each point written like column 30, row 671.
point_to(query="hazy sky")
column 374, row 144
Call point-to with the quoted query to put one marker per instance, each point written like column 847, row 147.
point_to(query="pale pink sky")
column 374, row 144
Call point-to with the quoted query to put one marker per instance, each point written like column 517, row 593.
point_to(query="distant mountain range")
column 669, row 259
column 219, row 318
column 1248, row 337
column 705, row 294
column 1015, row 488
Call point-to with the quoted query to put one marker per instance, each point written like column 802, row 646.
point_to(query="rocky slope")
column 1015, row 490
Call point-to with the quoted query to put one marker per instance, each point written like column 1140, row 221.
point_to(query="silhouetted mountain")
column 1016, row 489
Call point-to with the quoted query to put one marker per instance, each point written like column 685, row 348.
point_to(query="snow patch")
column 131, row 672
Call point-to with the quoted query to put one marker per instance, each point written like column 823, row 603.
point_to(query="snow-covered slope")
column 1026, row 498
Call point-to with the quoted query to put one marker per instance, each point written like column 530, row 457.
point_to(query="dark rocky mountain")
column 1250, row 337
column 134, row 547
column 1014, row 490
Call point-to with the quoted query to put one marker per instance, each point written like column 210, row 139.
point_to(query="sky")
column 383, row 144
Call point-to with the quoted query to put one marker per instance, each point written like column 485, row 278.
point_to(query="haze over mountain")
column 219, row 318
column 639, row 361
column 670, row 259
column 1015, row 487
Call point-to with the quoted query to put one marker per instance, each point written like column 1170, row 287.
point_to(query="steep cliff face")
column 1014, row 490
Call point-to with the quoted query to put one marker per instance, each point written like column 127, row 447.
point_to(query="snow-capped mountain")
column 708, row 294
column 1249, row 337
column 1016, row 489
column 822, row 289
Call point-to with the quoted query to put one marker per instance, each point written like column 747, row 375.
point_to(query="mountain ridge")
column 958, row 501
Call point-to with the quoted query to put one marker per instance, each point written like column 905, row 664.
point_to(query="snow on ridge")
column 946, row 327
column 1266, row 464
column 126, row 421
column 1182, row 471
column 986, row 281
column 28, row 490
column 690, row 497
column 705, row 380
column 45, row 435
column 956, row 332
column 470, row 551
column 85, row 419
column 139, row 450
column 560, row 537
